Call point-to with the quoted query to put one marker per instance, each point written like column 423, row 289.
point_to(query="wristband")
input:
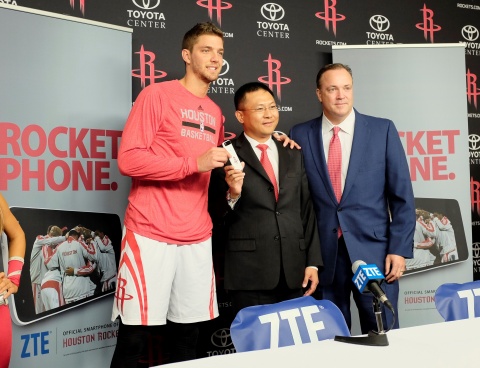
column 15, row 265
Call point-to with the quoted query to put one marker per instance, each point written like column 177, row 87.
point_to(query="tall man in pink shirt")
column 168, row 148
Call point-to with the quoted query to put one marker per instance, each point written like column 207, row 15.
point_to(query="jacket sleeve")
column 401, row 201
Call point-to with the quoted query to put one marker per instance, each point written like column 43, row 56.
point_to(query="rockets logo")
column 472, row 90
column 274, row 77
column 428, row 27
column 475, row 195
column 127, row 265
column 214, row 5
column 147, row 68
column 82, row 5
column 330, row 15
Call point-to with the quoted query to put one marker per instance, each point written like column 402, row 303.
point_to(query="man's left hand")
column 286, row 141
column 394, row 267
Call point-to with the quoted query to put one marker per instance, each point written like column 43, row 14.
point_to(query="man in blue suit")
column 374, row 219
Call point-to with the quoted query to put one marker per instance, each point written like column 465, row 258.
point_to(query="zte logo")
column 469, row 295
column 379, row 23
column 363, row 273
column 272, row 12
column 35, row 344
column 146, row 4
column 291, row 316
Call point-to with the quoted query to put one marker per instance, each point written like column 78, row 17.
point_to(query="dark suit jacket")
column 378, row 183
column 263, row 235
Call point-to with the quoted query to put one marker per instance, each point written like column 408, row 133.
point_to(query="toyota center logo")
column 474, row 142
column 225, row 68
column 476, row 250
column 272, row 12
column 221, row 338
column 379, row 23
column 146, row 4
column 470, row 33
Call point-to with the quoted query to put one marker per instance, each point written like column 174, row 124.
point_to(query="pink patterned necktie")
column 267, row 165
column 335, row 166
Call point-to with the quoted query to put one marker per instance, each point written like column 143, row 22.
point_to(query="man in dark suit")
column 272, row 250
column 373, row 217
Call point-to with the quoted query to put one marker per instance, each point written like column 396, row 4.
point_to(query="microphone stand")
column 374, row 338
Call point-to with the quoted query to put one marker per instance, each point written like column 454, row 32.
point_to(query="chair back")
column 458, row 301
column 292, row 322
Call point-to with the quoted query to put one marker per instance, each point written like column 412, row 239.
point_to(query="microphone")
column 367, row 278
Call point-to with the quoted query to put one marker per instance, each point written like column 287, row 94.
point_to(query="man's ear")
column 319, row 95
column 186, row 56
column 239, row 116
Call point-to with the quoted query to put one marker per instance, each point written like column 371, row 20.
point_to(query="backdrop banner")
column 65, row 91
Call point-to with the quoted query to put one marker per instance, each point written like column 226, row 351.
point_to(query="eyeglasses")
column 262, row 109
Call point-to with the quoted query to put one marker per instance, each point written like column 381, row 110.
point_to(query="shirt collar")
column 346, row 126
column 254, row 143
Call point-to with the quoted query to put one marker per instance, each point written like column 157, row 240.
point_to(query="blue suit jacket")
column 377, row 208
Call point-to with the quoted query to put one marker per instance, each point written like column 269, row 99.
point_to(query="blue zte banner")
column 458, row 301
column 292, row 322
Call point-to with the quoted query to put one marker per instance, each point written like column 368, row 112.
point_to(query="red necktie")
column 267, row 165
column 335, row 166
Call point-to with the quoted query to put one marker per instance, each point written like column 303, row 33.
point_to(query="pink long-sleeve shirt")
column 167, row 129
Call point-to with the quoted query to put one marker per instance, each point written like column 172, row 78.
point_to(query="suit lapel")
column 361, row 138
column 315, row 139
column 283, row 161
column 245, row 153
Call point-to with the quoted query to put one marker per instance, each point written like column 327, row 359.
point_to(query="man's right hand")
column 234, row 179
column 213, row 158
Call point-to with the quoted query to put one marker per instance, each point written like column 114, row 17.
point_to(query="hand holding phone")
column 234, row 160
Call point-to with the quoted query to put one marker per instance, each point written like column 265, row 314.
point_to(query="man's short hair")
column 198, row 30
column 54, row 231
column 73, row 233
column 241, row 93
column 333, row 66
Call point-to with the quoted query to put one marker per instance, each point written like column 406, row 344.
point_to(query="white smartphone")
column 234, row 160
